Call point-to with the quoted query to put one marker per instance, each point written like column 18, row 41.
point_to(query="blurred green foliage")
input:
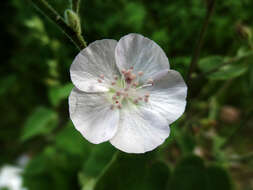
column 217, row 126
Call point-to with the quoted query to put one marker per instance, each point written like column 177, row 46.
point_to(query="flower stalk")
column 55, row 17
column 195, row 57
column 75, row 6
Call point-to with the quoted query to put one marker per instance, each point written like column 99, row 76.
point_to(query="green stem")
column 197, row 50
column 243, row 158
column 75, row 6
column 52, row 14
column 232, row 60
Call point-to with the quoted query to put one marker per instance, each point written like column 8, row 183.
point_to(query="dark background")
column 210, row 146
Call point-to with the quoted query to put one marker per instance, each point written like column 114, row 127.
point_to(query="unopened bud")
column 73, row 20
column 243, row 31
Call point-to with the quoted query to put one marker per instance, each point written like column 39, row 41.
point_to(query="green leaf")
column 218, row 178
column 185, row 141
column 58, row 93
column 98, row 160
column 208, row 63
column 6, row 83
column 229, row 72
column 58, row 164
column 100, row 156
column 160, row 36
column 225, row 72
column 189, row 175
column 251, row 77
column 135, row 15
column 138, row 172
column 71, row 141
column 42, row 121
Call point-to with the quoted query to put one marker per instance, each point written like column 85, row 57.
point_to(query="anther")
column 123, row 71
column 132, row 68
column 140, row 98
column 102, row 76
column 146, row 99
column 136, row 101
column 117, row 102
column 150, row 81
column 128, row 72
column 99, row 80
column 113, row 83
column 115, row 77
column 133, row 76
column 118, row 93
column 146, row 95
column 119, row 106
column 140, row 73
column 135, row 84
column 114, row 97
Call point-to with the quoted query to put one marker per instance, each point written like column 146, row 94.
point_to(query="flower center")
column 125, row 90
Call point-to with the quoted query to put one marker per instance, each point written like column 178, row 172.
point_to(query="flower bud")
column 73, row 20
column 243, row 31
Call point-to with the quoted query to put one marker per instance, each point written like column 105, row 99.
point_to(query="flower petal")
column 92, row 62
column 141, row 53
column 140, row 130
column 92, row 116
column 168, row 95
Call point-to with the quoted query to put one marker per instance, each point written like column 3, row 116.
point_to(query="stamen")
column 135, row 84
column 146, row 95
column 128, row 73
column 150, row 81
column 99, row 80
column 136, row 101
column 127, row 89
column 123, row 71
column 140, row 73
column 133, row 76
column 112, row 107
column 102, row 76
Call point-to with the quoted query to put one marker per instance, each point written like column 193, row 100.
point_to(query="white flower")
column 125, row 93
column 10, row 177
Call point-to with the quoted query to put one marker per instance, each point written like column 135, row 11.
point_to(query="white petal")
column 92, row 116
column 95, row 60
column 168, row 95
column 140, row 130
column 141, row 53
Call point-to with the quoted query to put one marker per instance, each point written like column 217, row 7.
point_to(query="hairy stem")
column 75, row 6
column 200, row 41
column 52, row 14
